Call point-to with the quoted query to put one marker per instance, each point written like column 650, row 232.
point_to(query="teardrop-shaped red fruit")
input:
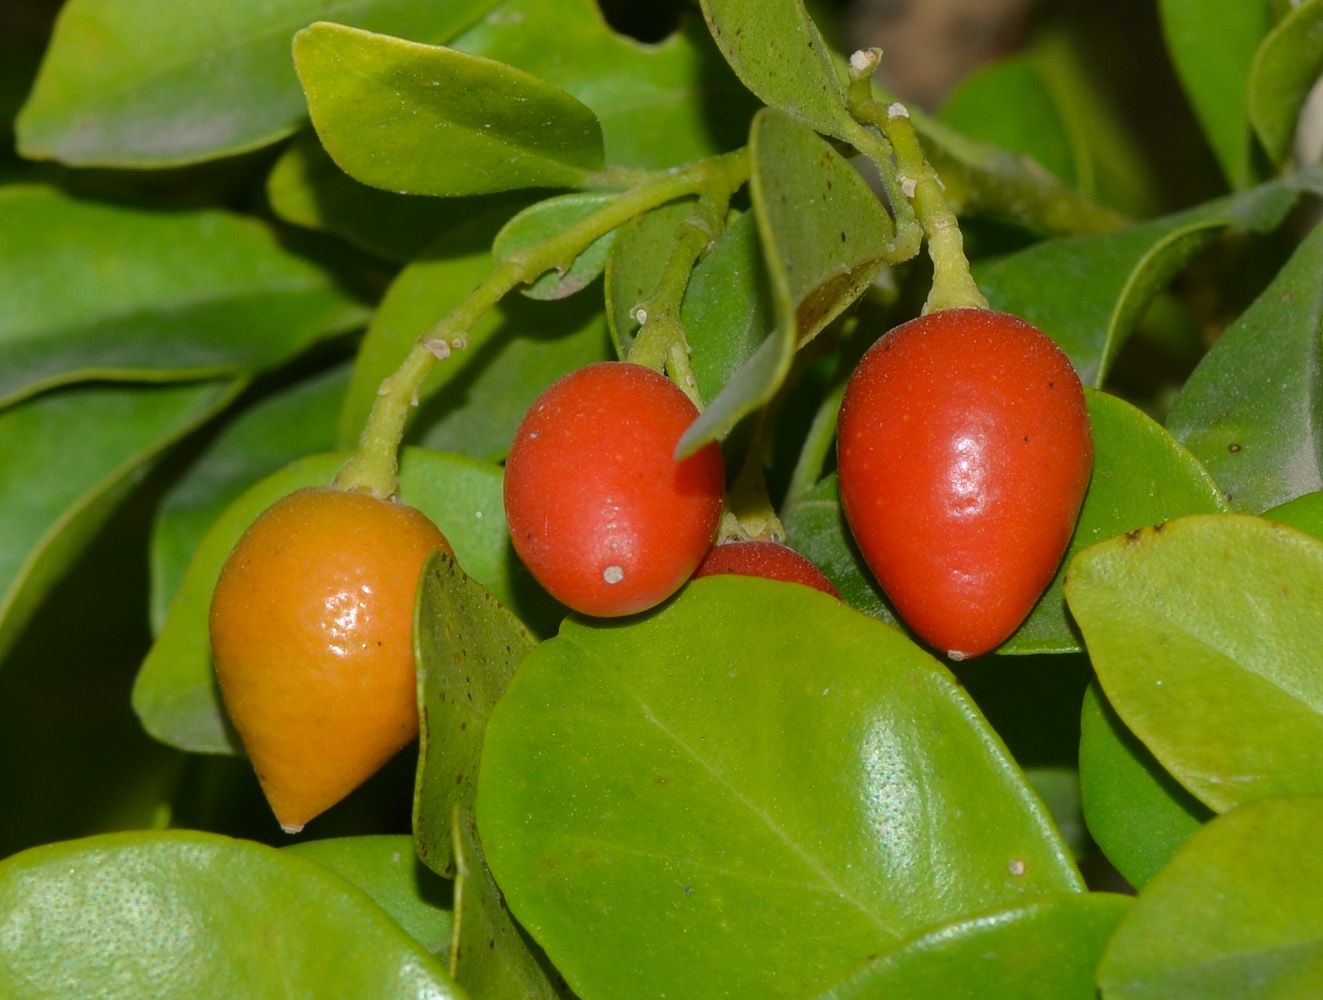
column 964, row 451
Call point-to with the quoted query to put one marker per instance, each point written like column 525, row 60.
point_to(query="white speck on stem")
column 440, row 349
column 1017, row 867
column 640, row 315
column 897, row 110
column 459, row 343
column 908, row 185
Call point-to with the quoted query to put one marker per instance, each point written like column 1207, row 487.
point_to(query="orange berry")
column 312, row 636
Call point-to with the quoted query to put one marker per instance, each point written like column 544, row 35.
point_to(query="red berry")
column 765, row 559
column 964, row 451
column 599, row 510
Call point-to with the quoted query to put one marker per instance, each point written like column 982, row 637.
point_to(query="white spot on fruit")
column 613, row 574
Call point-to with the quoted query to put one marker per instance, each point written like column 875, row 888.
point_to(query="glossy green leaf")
column 1237, row 913
column 825, row 236
column 386, row 868
column 1141, row 476
column 776, row 50
column 747, row 793
column 1304, row 513
column 1045, row 950
column 1088, row 292
column 467, row 646
column 490, row 957
column 305, row 187
column 270, row 434
column 1253, row 409
column 547, row 219
column 1212, row 44
column 1136, row 812
column 643, row 95
column 1204, row 634
column 67, row 459
column 175, row 694
column 1059, row 788
column 193, row 915
column 1286, row 66
column 636, row 264
column 426, row 119
column 728, row 310
column 96, row 291
column 472, row 401
column 144, row 83
column 816, row 527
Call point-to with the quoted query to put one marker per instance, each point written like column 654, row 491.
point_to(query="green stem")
column 374, row 466
column 749, row 513
column 660, row 342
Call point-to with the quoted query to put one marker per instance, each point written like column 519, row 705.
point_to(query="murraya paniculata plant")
column 617, row 518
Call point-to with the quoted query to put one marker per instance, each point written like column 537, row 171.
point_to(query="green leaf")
column 747, row 793
column 1237, row 913
column 425, row 119
column 1141, row 476
column 1088, row 292
column 142, row 83
column 193, row 915
column 1136, row 812
column 542, row 221
column 490, row 957
column 1253, row 409
column 1286, row 66
column 825, row 236
column 727, row 311
column 386, row 868
column 776, row 50
column 274, row 431
column 1199, row 630
column 636, row 264
column 645, row 96
column 467, row 645
column 175, row 694
column 1304, row 513
column 1045, row 950
column 472, row 401
column 95, row 291
column 1212, row 44
column 816, row 527
column 67, row 459
column 306, row 188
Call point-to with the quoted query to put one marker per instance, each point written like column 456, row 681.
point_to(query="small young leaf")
column 386, row 868
column 546, row 219
column 773, row 803
column 1088, row 292
column 142, row 83
column 1213, row 43
column 425, row 119
column 467, row 646
column 489, row 956
column 1253, row 409
column 98, row 291
column 1286, row 67
column 775, row 48
column 1136, row 812
column 272, row 433
column 636, row 263
column 644, row 95
column 194, row 915
column 825, row 236
column 67, row 459
column 1045, row 950
column 175, row 694
column 1141, row 476
column 1237, row 913
column 1200, row 629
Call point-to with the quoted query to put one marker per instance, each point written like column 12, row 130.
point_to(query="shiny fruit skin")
column 770, row 560
column 964, row 453
column 599, row 510
column 312, row 636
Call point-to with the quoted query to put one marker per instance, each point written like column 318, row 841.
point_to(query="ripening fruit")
column 964, row 452
column 766, row 559
column 600, row 511
column 312, row 635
